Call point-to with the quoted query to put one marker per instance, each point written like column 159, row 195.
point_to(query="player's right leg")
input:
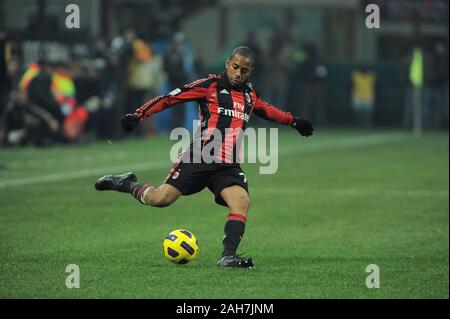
column 162, row 196
column 147, row 194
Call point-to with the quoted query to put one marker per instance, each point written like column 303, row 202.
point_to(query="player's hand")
column 129, row 122
column 303, row 126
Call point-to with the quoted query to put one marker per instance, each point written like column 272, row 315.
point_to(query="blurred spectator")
column 252, row 42
column 100, row 89
column 417, row 69
column 278, row 65
column 145, row 75
column 312, row 86
column 406, row 83
column 199, row 66
column 25, row 123
column 363, row 96
column 64, row 91
column 439, row 87
column 149, row 77
column 5, row 83
column 51, row 87
column 174, row 62
column 178, row 65
column 125, row 47
column 117, row 42
column 13, row 69
column 37, row 80
column 122, row 47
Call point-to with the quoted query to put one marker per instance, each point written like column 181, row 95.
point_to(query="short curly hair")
column 245, row 52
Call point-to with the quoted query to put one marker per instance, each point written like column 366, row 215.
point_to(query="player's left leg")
column 236, row 198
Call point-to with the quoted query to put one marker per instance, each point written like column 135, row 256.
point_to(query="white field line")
column 83, row 173
column 353, row 142
column 353, row 192
column 70, row 159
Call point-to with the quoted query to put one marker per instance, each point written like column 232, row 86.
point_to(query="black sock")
column 135, row 189
column 129, row 186
column 234, row 230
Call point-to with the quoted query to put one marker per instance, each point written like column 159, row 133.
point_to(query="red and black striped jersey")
column 222, row 108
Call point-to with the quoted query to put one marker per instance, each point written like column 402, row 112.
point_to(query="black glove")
column 129, row 122
column 303, row 126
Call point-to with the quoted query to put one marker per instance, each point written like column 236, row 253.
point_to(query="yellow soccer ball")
column 180, row 246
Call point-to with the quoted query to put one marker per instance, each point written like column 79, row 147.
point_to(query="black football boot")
column 115, row 182
column 235, row 261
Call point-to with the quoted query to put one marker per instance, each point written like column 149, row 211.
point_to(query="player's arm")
column 194, row 91
column 269, row 112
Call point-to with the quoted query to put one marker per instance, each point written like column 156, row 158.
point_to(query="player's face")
column 239, row 69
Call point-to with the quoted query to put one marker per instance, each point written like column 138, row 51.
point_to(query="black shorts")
column 191, row 178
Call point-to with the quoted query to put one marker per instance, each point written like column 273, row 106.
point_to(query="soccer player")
column 226, row 101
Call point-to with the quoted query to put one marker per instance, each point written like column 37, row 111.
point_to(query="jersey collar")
column 225, row 83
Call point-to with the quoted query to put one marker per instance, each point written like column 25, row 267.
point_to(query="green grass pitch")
column 339, row 201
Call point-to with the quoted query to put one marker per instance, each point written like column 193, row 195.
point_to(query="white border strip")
column 83, row 173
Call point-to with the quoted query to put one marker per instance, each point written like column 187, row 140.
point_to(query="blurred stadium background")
column 370, row 187
column 315, row 58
